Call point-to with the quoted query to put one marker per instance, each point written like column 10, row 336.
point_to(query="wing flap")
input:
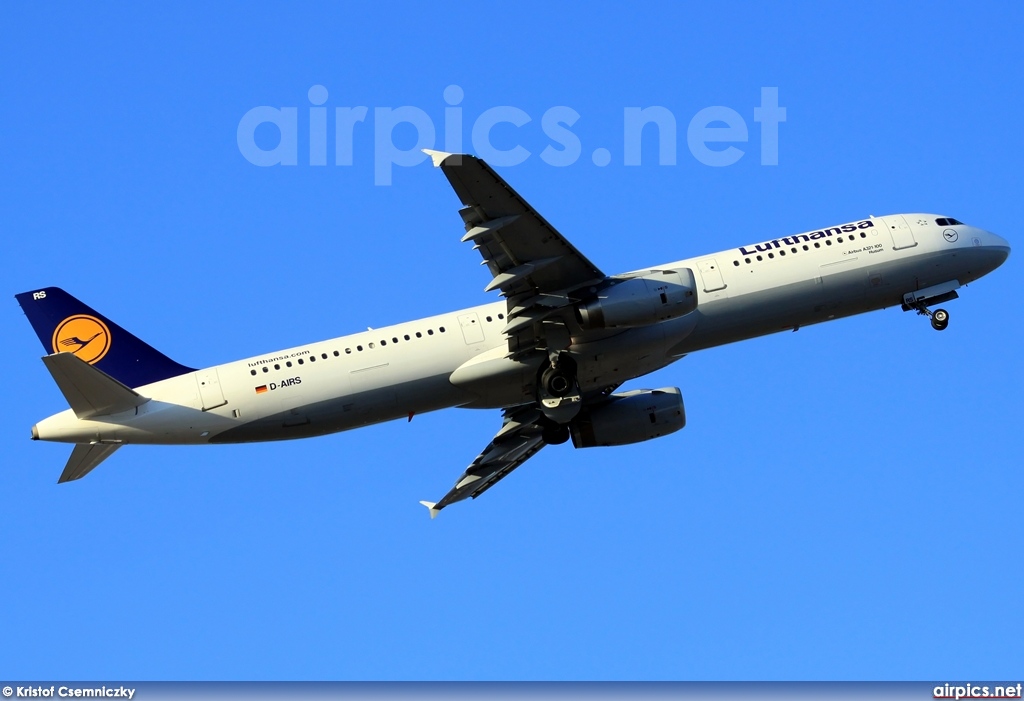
column 508, row 280
column 487, row 228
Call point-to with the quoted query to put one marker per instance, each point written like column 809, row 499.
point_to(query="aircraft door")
column 472, row 330
column 902, row 236
column 210, row 392
column 711, row 275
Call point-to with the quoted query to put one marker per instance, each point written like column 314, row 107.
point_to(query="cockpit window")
column 948, row 221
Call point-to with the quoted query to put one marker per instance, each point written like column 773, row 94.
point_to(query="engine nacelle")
column 630, row 417
column 639, row 301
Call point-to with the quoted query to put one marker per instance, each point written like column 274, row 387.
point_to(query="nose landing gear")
column 939, row 317
column 936, row 294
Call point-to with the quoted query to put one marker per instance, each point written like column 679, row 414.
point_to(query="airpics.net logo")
column 715, row 136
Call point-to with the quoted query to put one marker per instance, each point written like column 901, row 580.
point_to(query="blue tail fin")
column 64, row 324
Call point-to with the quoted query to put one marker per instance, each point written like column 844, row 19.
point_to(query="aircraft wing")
column 541, row 275
column 519, row 439
column 533, row 266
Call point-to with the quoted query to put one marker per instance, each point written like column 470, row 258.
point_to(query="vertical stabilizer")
column 66, row 325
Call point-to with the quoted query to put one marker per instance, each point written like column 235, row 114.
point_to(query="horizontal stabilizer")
column 83, row 458
column 430, row 507
column 90, row 392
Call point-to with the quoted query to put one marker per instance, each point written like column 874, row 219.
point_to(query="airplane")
column 551, row 355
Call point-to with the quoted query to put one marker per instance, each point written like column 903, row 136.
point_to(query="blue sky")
column 843, row 504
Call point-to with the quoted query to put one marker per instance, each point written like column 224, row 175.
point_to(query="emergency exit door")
column 210, row 392
column 711, row 275
column 472, row 331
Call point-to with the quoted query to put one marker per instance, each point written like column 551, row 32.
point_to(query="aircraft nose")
column 999, row 245
column 992, row 250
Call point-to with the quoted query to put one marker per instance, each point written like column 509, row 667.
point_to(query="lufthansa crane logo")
column 84, row 335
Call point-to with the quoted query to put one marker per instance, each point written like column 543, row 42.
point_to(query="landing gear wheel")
column 557, row 382
column 555, row 434
column 940, row 319
column 558, row 379
column 558, row 392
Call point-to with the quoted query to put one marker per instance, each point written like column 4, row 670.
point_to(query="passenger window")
column 266, row 369
column 430, row 332
column 253, row 372
column 406, row 337
column 276, row 366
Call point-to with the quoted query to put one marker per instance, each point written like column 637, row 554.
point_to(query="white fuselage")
column 406, row 369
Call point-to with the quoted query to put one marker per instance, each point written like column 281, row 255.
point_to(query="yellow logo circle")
column 85, row 336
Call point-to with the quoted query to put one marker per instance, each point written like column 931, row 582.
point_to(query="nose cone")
column 990, row 251
column 997, row 249
column 1000, row 245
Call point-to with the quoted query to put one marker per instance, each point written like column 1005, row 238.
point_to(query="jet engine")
column 630, row 417
column 639, row 301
